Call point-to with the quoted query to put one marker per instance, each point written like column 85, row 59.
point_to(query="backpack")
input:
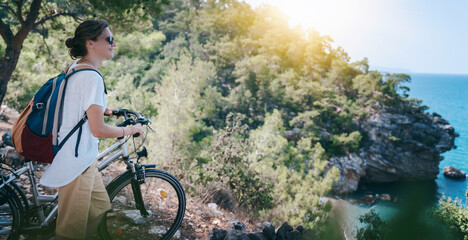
column 34, row 134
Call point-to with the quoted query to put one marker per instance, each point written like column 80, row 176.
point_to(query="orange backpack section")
column 18, row 127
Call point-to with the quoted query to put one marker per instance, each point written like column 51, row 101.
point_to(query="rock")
column 217, row 234
column 294, row 235
column 124, row 227
column 107, row 179
column 236, row 235
column 121, row 200
column 225, row 199
column 157, row 230
column 214, row 208
column 285, row 232
column 238, row 226
column 300, row 228
column 177, row 234
column 135, row 217
column 269, row 231
column 400, row 146
column 11, row 155
column 6, row 138
column 256, row 236
column 453, row 172
column 385, row 197
column 4, row 117
column 111, row 214
column 281, row 234
column 367, row 199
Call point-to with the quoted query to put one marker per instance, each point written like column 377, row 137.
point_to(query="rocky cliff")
column 397, row 146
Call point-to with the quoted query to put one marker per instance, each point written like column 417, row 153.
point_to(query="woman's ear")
column 90, row 43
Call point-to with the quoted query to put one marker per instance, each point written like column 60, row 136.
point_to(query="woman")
column 82, row 197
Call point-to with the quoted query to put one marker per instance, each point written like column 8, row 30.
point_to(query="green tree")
column 178, row 101
column 231, row 168
column 19, row 18
column 297, row 173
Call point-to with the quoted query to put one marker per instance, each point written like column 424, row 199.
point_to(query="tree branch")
column 6, row 32
column 45, row 43
column 27, row 26
column 54, row 16
column 7, row 6
column 33, row 13
column 19, row 5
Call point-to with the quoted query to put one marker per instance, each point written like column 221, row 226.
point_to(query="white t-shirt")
column 84, row 89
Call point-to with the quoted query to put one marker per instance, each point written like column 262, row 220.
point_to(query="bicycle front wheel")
column 159, row 216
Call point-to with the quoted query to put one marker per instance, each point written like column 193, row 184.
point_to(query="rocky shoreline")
column 398, row 146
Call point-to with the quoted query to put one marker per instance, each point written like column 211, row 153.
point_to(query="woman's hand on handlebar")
column 110, row 112
column 136, row 129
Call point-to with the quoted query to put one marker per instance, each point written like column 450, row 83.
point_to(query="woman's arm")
column 100, row 129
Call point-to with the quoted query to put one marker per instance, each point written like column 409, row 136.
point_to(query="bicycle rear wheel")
column 10, row 214
column 162, row 213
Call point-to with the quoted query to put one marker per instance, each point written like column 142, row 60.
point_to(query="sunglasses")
column 110, row 40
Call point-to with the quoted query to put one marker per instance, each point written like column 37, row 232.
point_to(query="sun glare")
column 328, row 17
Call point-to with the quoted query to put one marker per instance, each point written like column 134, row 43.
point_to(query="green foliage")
column 179, row 103
column 347, row 142
column 297, row 172
column 230, row 167
column 374, row 227
column 393, row 138
column 454, row 215
column 140, row 44
column 198, row 66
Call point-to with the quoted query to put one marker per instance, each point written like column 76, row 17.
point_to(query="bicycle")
column 143, row 198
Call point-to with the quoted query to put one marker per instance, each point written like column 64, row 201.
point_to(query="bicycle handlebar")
column 132, row 118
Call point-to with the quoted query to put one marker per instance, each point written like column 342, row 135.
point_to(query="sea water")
column 446, row 95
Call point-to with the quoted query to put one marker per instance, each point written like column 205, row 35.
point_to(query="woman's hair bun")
column 69, row 42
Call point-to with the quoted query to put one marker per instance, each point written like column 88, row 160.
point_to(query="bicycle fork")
column 140, row 205
column 136, row 182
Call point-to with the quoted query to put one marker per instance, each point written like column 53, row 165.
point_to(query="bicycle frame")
column 40, row 199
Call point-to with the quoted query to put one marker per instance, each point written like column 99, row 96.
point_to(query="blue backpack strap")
column 79, row 126
column 78, row 140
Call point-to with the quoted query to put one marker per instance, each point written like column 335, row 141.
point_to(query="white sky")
column 403, row 35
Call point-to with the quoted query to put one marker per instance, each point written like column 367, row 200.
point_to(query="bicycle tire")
column 10, row 214
column 22, row 197
column 163, row 196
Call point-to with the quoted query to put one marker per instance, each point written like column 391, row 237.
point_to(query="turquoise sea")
column 446, row 95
